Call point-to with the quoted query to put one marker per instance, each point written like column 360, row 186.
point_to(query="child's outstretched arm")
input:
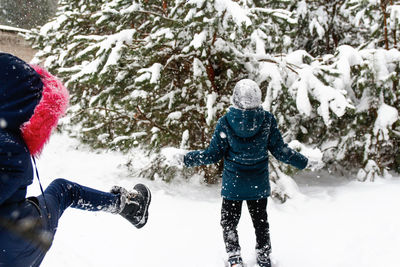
column 215, row 151
column 281, row 151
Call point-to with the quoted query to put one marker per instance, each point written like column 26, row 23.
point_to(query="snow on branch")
column 108, row 50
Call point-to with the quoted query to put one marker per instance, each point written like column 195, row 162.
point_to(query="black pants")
column 230, row 215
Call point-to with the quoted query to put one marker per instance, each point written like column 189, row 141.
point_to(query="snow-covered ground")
column 334, row 222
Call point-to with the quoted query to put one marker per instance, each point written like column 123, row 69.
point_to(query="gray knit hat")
column 246, row 95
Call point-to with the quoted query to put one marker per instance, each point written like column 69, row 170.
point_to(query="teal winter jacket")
column 243, row 138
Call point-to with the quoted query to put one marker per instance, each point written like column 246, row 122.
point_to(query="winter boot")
column 235, row 261
column 264, row 262
column 263, row 259
column 134, row 205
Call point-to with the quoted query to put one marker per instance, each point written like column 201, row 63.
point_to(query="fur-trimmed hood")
column 31, row 101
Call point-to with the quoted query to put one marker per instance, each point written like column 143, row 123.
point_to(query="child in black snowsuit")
column 243, row 137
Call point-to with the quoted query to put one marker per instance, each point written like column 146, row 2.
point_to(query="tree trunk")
column 383, row 7
column 394, row 31
column 165, row 6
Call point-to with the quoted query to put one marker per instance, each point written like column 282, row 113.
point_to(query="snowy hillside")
column 333, row 222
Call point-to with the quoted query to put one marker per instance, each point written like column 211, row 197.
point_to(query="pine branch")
column 158, row 15
column 122, row 115
column 143, row 116
column 288, row 65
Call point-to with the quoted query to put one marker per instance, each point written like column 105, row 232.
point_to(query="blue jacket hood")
column 245, row 122
column 20, row 92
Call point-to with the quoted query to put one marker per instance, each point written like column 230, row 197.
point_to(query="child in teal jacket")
column 243, row 137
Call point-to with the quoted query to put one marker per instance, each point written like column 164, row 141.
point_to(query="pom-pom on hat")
column 246, row 95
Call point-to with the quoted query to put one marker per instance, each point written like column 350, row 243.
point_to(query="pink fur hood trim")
column 53, row 105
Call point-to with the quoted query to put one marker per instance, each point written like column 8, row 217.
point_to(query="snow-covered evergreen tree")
column 368, row 134
column 323, row 26
column 160, row 73
column 376, row 21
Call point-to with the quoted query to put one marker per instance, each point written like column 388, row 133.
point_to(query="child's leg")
column 61, row 194
column 259, row 216
column 230, row 215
